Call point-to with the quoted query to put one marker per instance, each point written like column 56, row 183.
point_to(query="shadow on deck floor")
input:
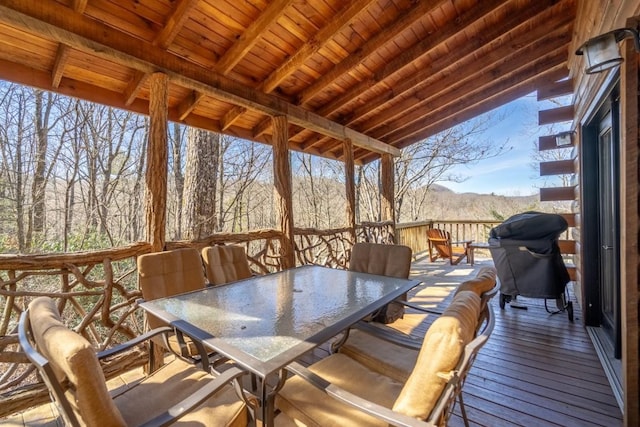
column 537, row 369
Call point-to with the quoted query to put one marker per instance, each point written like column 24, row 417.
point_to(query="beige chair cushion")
column 162, row 274
column 441, row 350
column 73, row 357
column 170, row 384
column 380, row 355
column 385, row 260
column 312, row 407
column 484, row 281
column 225, row 264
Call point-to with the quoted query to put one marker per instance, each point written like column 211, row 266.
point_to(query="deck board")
column 537, row 369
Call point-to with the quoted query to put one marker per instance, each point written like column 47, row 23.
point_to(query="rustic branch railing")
column 97, row 292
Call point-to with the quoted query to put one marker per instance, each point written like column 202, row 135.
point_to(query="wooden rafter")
column 470, row 108
column 406, row 20
column 446, row 91
column 410, row 55
column 251, row 35
column 441, row 102
column 58, row 66
column 188, row 104
column 304, row 52
column 526, row 47
column 479, row 97
column 79, row 5
column 315, row 43
column 84, row 35
column 171, row 29
column 134, row 86
column 555, row 89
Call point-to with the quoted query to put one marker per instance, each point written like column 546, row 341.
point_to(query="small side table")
column 475, row 245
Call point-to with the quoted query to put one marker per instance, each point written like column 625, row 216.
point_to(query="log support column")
column 282, row 187
column 387, row 190
column 157, row 158
column 350, row 188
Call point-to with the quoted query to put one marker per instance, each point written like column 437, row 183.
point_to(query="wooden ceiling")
column 382, row 73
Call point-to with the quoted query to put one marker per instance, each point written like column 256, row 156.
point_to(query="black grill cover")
column 530, row 226
column 525, row 252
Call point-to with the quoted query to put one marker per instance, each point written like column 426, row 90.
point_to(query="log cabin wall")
column 592, row 19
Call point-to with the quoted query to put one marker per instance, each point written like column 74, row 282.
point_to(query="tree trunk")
column 200, row 184
column 39, row 180
column 178, row 177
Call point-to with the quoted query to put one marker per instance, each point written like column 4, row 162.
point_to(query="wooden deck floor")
column 537, row 369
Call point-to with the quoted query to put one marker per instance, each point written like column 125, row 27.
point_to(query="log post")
column 157, row 157
column 282, row 189
column 350, row 188
column 387, row 190
column 156, row 180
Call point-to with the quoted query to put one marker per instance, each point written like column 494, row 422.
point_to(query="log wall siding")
column 592, row 19
column 630, row 186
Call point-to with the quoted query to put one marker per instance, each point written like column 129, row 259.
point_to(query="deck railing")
column 97, row 292
column 414, row 234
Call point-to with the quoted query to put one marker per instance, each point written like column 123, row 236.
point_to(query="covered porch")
column 354, row 82
column 537, row 369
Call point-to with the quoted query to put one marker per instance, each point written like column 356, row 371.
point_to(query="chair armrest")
column 378, row 411
column 134, row 342
column 185, row 406
column 418, row 307
column 390, row 335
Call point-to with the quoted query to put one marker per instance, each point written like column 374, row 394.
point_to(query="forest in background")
column 72, row 178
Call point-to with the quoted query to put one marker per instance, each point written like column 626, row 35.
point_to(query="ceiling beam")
column 62, row 56
column 53, row 21
column 251, row 35
column 482, row 83
column 469, row 109
column 404, row 21
column 417, row 51
column 478, row 68
column 174, row 23
column 315, row 43
column 555, row 89
column 479, row 97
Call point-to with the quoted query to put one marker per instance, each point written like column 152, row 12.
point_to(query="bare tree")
column 200, row 184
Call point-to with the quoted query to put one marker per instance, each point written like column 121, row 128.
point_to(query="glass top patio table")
column 265, row 322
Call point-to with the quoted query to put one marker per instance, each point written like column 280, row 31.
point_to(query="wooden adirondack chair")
column 441, row 246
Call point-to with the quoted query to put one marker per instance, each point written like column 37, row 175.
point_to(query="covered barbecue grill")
column 525, row 252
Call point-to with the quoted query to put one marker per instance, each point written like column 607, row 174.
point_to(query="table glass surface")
column 265, row 316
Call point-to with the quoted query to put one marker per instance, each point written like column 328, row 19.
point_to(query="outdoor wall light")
column 564, row 139
column 602, row 52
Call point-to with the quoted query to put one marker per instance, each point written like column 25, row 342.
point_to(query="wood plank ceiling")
column 382, row 73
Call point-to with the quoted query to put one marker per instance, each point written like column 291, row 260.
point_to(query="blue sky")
column 510, row 174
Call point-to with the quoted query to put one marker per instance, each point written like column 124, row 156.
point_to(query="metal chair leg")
column 463, row 410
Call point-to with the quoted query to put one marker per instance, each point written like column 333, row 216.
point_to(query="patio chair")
column 71, row 369
column 162, row 274
column 339, row 390
column 385, row 260
column 394, row 353
column 224, row 264
column 441, row 246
